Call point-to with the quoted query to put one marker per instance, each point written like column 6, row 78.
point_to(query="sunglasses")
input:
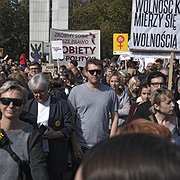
column 7, row 101
column 98, row 71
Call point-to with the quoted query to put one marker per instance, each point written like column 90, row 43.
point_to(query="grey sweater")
column 26, row 143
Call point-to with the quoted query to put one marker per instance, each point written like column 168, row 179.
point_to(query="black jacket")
column 59, row 119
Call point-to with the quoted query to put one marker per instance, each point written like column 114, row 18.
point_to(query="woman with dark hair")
column 131, row 157
column 144, row 96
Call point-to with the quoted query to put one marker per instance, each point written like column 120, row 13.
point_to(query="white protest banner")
column 155, row 25
column 57, row 50
column 48, row 67
column 35, row 51
column 78, row 45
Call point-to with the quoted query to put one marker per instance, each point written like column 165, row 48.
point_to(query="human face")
column 40, row 61
column 34, row 70
column 108, row 71
column 159, row 65
column 113, row 65
column 11, row 111
column 149, row 67
column 166, row 106
column 41, row 95
column 136, row 86
column 94, row 74
column 114, row 82
column 156, row 83
column 145, row 94
column 178, row 85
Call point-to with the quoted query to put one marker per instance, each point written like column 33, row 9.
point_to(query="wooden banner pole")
column 170, row 71
column 126, row 68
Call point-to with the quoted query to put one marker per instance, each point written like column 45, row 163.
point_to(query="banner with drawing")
column 78, row 45
column 36, row 51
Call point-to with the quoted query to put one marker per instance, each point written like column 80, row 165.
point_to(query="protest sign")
column 57, row 50
column 48, row 68
column 78, row 45
column 36, row 51
column 155, row 25
column 120, row 43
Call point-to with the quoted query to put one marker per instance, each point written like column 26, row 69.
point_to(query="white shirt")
column 43, row 112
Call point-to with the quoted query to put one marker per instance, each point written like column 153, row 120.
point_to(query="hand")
column 52, row 134
column 125, row 106
column 78, row 151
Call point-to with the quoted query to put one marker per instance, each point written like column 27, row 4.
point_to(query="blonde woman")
column 117, row 83
column 163, row 111
column 133, row 89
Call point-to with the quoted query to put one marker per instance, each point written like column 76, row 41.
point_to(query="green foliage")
column 108, row 16
column 14, row 31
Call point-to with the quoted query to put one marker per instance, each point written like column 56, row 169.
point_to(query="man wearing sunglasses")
column 91, row 104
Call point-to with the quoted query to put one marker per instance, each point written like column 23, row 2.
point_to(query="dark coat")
column 59, row 119
column 143, row 111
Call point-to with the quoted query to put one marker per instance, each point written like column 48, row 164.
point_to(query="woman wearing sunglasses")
column 163, row 112
column 18, row 138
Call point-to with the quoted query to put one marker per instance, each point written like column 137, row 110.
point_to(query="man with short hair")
column 34, row 68
column 91, row 104
column 73, row 70
column 159, row 63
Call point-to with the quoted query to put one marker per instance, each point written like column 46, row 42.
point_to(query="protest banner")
column 36, row 51
column 120, row 43
column 48, row 68
column 155, row 25
column 57, row 50
column 78, row 45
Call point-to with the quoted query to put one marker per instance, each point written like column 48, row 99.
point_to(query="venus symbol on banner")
column 120, row 40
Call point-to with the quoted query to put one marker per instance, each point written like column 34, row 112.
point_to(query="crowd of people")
column 70, row 117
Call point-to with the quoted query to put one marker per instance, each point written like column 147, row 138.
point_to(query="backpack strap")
column 5, row 144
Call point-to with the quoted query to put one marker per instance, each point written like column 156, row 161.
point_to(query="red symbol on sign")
column 93, row 38
column 120, row 40
column 56, row 48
